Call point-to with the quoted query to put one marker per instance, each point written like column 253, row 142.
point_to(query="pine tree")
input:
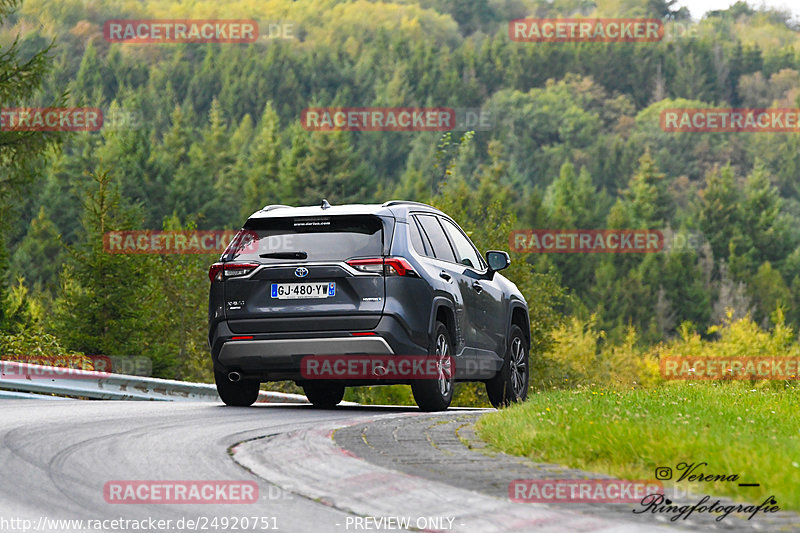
column 626, row 288
column 571, row 199
column 291, row 159
column 261, row 182
column 230, row 182
column 127, row 147
column 99, row 306
column 717, row 210
column 177, row 341
column 571, row 202
column 168, row 157
column 682, row 279
column 38, row 257
column 765, row 233
column 209, row 159
column 647, row 203
column 93, row 75
column 323, row 165
column 769, row 292
column 22, row 73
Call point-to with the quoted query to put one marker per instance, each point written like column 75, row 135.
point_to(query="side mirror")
column 497, row 260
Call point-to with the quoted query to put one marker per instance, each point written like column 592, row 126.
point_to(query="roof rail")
column 274, row 206
column 406, row 202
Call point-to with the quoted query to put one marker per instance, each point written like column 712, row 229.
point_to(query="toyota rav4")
column 395, row 280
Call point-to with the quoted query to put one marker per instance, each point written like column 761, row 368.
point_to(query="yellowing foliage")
column 322, row 21
column 578, row 356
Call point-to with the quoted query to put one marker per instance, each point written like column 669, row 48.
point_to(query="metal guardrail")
column 14, row 395
column 21, row 379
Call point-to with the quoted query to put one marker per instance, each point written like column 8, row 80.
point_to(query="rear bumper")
column 278, row 356
column 280, row 351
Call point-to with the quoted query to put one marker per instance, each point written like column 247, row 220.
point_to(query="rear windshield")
column 320, row 238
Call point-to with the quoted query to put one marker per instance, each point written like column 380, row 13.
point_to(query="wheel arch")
column 443, row 311
column 519, row 317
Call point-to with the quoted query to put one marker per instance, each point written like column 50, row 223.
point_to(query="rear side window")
column 417, row 240
column 464, row 249
column 319, row 238
column 433, row 230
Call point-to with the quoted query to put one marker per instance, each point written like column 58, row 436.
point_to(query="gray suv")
column 298, row 285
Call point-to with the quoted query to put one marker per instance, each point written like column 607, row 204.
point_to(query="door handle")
column 477, row 287
column 444, row 275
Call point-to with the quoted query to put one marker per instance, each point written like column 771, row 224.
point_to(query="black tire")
column 436, row 394
column 236, row 394
column 510, row 385
column 324, row 395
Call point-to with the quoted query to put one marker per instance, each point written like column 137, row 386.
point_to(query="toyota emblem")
column 301, row 272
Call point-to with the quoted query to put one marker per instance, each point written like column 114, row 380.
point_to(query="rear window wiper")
column 284, row 255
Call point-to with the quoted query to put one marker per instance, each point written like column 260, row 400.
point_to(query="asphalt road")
column 56, row 458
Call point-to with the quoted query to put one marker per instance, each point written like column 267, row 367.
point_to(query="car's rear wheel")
column 236, row 393
column 436, row 394
column 324, row 395
column 510, row 385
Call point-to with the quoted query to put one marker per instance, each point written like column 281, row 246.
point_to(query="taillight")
column 389, row 266
column 399, row 265
column 374, row 265
column 215, row 272
column 238, row 269
column 229, row 270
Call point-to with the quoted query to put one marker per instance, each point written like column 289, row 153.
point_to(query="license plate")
column 299, row 291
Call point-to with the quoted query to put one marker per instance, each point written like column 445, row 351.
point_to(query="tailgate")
column 302, row 282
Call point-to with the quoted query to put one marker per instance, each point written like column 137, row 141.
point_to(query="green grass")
column 627, row 434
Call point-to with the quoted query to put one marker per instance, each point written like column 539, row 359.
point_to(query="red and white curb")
column 310, row 464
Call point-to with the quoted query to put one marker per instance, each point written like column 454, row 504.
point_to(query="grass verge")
column 732, row 426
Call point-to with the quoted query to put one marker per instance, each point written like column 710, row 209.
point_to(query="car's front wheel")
column 436, row 394
column 510, row 385
column 236, row 393
column 324, row 395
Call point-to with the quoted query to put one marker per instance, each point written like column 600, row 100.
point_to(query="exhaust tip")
column 234, row 377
